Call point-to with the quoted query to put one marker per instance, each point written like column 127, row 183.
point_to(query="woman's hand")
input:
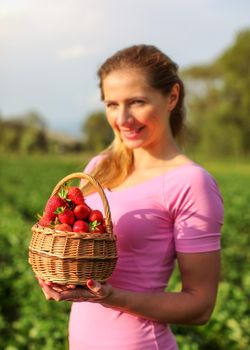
column 93, row 292
column 192, row 305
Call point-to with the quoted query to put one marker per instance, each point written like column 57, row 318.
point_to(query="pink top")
column 180, row 210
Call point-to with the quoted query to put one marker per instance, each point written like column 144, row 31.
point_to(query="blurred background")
column 52, row 122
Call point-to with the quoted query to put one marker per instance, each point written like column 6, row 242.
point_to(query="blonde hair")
column 161, row 74
column 114, row 166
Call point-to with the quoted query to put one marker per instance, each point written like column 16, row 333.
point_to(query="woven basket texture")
column 71, row 257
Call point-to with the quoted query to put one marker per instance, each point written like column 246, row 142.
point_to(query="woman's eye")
column 138, row 102
column 111, row 105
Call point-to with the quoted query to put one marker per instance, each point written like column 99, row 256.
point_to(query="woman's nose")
column 124, row 118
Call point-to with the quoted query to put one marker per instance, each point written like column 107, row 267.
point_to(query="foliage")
column 25, row 134
column 28, row 134
column 28, row 321
column 98, row 133
column 219, row 102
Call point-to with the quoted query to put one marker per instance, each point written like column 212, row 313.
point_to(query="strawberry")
column 95, row 215
column 96, row 227
column 104, row 225
column 81, row 211
column 52, row 204
column 45, row 221
column 66, row 216
column 81, row 226
column 63, row 227
column 75, row 195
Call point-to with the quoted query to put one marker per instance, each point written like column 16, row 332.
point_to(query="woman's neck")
column 143, row 159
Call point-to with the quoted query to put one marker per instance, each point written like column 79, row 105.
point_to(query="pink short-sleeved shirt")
column 180, row 210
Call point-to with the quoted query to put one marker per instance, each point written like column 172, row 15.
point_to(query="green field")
column 28, row 321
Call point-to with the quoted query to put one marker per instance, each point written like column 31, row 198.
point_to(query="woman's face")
column 138, row 112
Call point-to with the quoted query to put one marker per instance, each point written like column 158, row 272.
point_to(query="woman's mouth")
column 131, row 133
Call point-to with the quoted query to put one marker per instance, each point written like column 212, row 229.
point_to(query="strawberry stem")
column 59, row 210
column 93, row 225
column 63, row 193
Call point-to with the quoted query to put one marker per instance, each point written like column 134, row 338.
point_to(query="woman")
column 164, row 208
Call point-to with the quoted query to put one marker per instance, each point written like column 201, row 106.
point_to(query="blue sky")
column 50, row 50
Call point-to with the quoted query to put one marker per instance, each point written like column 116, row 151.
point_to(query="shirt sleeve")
column 92, row 163
column 89, row 167
column 198, row 214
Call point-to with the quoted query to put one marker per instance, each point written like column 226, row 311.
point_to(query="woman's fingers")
column 75, row 294
column 47, row 296
column 94, row 292
column 57, row 287
column 50, row 293
column 70, row 286
column 101, row 291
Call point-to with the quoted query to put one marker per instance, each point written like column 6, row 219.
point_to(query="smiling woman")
column 164, row 207
column 138, row 112
column 144, row 99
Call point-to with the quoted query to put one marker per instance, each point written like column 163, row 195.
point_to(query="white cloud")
column 73, row 52
column 49, row 23
column 12, row 8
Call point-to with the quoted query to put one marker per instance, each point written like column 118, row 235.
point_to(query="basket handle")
column 95, row 183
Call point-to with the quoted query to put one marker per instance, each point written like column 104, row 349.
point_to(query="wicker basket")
column 70, row 257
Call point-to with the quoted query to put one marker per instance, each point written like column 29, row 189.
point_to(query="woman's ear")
column 173, row 96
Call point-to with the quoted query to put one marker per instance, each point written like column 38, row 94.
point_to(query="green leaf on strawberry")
column 96, row 227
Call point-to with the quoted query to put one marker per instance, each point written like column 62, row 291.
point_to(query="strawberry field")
column 28, row 321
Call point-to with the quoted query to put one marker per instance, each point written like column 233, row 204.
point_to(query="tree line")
column 218, row 108
column 219, row 102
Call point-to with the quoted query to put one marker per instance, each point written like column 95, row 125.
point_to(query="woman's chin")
column 132, row 144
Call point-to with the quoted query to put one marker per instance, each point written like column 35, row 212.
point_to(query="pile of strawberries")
column 68, row 211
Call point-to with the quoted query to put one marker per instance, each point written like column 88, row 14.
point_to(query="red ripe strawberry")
column 75, row 195
column 45, row 221
column 52, row 204
column 82, row 211
column 80, row 226
column 95, row 215
column 66, row 217
column 98, row 229
column 63, row 227
column 104, row 225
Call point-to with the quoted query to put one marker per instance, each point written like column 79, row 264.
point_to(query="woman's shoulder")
column 192, row 188
column 93, row 162
column 193, row 172
column 191, row 177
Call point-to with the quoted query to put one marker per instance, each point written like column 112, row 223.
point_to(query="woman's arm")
column 192, row 305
